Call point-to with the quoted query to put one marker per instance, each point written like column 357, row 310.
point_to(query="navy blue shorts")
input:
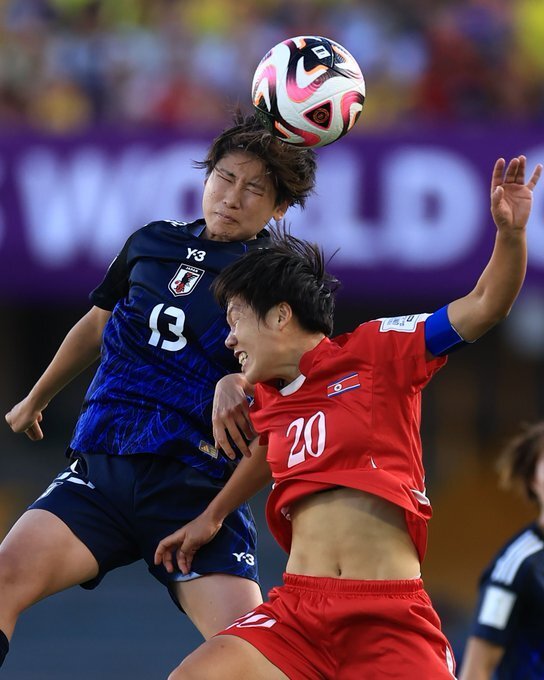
column 120, row 507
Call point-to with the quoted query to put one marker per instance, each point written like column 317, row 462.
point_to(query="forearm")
column 480, row 660
column 79, row 349
column 496, row 290
column 251, row 475
column 503, row 277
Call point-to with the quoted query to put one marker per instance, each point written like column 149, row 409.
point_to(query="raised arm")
column 497, row 288
column 79, row 349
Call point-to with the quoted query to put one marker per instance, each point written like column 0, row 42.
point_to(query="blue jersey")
column 163, row 348
column 510, row 610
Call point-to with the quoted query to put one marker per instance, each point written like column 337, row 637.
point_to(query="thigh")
column 227, row 658
column 41, row 556
column 287, row 630
column 214, row 601
column 93, row 498
column 394, row 633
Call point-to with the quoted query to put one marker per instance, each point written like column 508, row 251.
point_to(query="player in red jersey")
column 339, row 424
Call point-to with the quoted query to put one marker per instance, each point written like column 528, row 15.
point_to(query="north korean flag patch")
column 349, row 382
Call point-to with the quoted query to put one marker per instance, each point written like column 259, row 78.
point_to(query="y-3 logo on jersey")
column 197, row 255
column 185, row 280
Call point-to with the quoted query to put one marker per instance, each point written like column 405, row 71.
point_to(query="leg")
column 39, row 556
column 226, row 657
column 214, row 601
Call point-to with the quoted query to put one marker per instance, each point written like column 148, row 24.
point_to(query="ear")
column 280, row 210
column 284, row 314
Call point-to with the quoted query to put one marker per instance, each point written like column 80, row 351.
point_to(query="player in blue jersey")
column 507, row 636
column 143, row 457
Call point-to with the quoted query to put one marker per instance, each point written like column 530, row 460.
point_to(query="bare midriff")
column 351, row 534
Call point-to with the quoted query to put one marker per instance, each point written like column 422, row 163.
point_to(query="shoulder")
column 410, row 323
column 522, row 551
column 189, row 229
column 160, row 236
column 386, row 331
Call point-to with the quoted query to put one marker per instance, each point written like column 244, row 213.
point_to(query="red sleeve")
column 399, row 344
column 255, row 407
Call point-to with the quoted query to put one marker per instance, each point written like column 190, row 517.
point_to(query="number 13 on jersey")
column 175, row 318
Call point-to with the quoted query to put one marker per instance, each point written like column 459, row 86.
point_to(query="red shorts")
column 313, row 628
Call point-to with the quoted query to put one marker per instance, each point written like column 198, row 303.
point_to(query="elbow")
column 492, row 314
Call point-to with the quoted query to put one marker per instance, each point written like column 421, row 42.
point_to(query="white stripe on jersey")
column 507, row 566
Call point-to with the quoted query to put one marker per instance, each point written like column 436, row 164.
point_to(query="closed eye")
column 223, row 176
column 255, row 190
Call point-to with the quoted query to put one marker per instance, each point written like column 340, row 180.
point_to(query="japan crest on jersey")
column 185, row 280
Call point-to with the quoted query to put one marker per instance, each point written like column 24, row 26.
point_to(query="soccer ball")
column 309, row 91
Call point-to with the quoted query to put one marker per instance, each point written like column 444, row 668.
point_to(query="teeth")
column 242, row 358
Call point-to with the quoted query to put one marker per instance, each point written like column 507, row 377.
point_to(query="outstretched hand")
column 183, row 544
column 511, row 197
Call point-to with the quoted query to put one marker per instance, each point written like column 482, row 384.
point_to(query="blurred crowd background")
column 69, row 64
column 75, row 67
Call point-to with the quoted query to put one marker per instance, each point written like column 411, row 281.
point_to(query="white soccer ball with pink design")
column 309, row 91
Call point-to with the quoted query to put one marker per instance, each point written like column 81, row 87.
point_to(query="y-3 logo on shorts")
column 245, row 557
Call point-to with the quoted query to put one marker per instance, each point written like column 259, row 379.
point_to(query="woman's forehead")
column 235, row 305
column 243, row 163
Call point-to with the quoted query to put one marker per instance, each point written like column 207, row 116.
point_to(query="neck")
column 307, row 343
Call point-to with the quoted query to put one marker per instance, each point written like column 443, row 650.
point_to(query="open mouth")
column 242, row 358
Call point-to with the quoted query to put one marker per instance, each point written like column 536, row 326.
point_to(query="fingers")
column 221, row 441
column 498, row 171
column 514, row 174
column 34, row 432
column 234, row 431
column 514, row 170
column 535, row 177
column 165, row 554
column 232, row 436
column 185, row 560
column 496, row 197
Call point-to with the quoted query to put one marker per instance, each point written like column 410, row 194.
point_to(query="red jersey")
column 351, row 419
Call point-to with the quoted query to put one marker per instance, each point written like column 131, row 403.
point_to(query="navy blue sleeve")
column 440, row 336
column 497, row 613
column 115, row 285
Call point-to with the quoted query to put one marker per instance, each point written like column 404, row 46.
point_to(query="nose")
column 232, row 197
column 230, row 341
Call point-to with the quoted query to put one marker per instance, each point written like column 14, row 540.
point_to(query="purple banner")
column 407, row 215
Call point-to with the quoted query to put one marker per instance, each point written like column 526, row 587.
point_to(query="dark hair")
column 292, row 168
column 517, row 463
column 290, row 270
